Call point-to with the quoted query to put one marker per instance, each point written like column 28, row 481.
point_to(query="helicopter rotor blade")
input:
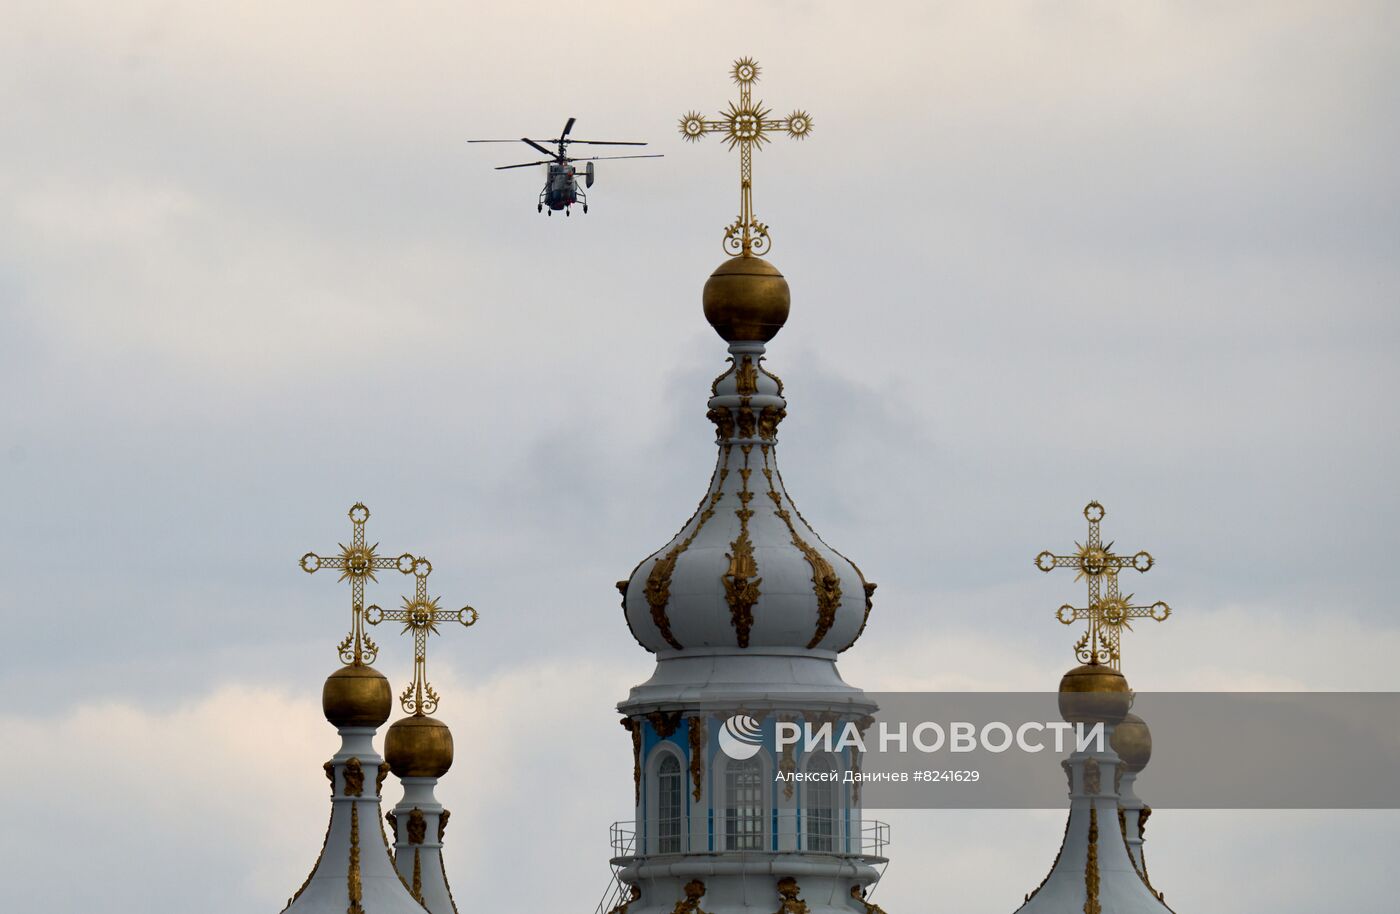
column 601, row 158
column 608, row 142
column 523, row 165
column 536, row 146
column 493, row 141
column 567, row 127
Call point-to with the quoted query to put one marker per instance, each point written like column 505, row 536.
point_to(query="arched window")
column 821, row 806
column 743, row 806
column 670, row 806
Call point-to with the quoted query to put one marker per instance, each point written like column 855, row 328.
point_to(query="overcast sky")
column 1040, row 253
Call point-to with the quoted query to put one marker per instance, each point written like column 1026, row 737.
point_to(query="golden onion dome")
column 418, row 747
column 1094, row 693
column 1133, row 743
column 746, row 300
column 356, row 696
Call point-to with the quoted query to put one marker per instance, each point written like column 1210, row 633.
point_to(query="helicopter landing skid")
column 580, row 198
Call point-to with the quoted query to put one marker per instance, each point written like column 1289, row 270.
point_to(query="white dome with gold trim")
column 746, row 571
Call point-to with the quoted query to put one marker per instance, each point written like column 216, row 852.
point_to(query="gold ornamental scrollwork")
column 690, row 904
column 417, row 826
column 633, row 894
column 665, row 723
column 869, row 588
column 723, row 419
column 826, row 584
column 787, row 764
column 442, row 823
column 354, row 778
column 776, row 380
column 352, row 877
column 768, row 421
column 635, row 729
column 747, row 125
column 746, row 422
column 442, row 868
column 1091, row 866
column 789, row 900
column 696, row 736
column 741, row 580
column 746, row 237
column 416, row 890
column 746, row 377
column 1092, row 776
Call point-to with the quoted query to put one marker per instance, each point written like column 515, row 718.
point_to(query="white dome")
column 746, row 571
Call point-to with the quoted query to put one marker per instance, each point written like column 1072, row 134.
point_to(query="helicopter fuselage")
column 560, row 187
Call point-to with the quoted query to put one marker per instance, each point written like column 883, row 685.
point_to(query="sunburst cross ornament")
column 745, row 124
column 420, row 615
column 357, row 563
column 1108, row 612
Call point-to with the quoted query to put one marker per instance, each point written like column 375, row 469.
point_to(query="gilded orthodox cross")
column 420, row 615
column 745, row 125
column 357, row 563
column 1108, row 612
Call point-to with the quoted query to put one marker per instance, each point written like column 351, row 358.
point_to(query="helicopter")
column 561, row 190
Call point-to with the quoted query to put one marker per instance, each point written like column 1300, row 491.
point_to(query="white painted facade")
column 418, row 857
column 1094, row 859
column 355, row 841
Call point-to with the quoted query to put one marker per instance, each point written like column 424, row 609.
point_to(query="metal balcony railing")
column 787, row 832
column 863, row 838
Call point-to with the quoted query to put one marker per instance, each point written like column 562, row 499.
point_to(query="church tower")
column 419, row 750
column 1100, row 868
column 354, row 873
column 746, row 610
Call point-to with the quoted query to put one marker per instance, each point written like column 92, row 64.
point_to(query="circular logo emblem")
column 740, row 737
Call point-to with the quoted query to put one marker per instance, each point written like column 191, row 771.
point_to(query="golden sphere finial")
column 1095, row 693
column 418, row 747
column 357, row 695
column 1133, row 743
column 746, row 300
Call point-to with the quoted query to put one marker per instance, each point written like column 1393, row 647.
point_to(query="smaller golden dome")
column 1094, row 692
column 746, row 300
column 356, row 696
column 418, row 747
column 1133, row 742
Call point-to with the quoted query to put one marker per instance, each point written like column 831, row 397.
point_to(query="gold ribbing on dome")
column 745, row 124
column 420, row 614
column 357, row 563
column 1108, row 612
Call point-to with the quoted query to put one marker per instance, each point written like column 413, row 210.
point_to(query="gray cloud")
column 250, row 273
